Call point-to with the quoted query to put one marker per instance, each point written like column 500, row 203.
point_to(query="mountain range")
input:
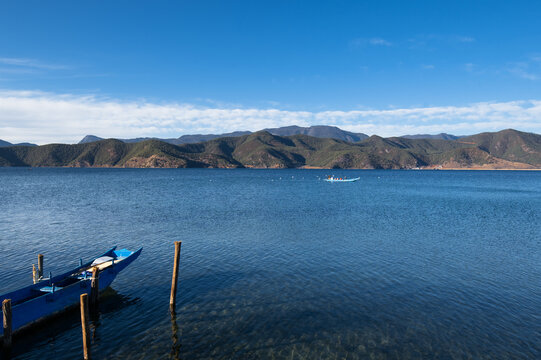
column 441, row 136
column 6, row 144
column 507, row 149
column 319, row 131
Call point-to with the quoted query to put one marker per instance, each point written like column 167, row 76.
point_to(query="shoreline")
column 487, row 169
column 272, row 168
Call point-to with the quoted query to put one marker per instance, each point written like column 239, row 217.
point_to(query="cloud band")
column 47, row 117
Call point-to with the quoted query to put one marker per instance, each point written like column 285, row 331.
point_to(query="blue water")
column 277, row 264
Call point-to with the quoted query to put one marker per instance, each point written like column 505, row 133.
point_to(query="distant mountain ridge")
column 320, row 131
column 93, row 138
column 442, row 136
column 507, row 149
column 192, row 139
column 89, row 138
column 6, row 144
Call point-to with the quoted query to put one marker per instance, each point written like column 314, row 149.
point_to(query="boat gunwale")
column 69, row 288
column 18, row 300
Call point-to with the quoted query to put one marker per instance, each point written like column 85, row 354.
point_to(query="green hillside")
column 504, row 149
column 510, row 145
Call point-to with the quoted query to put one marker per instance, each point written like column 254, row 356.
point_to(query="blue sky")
column 167, row 68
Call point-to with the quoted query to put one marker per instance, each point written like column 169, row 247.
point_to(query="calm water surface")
column 277, row 264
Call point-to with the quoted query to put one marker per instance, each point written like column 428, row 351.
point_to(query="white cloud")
column 376, row 41
column 465, row 39
column 29, row 63
column 529, row 69
column 430, row 40
column 379, row 41
column 41, row 118
column 469, row 67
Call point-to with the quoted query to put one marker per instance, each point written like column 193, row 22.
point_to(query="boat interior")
column 85, row 274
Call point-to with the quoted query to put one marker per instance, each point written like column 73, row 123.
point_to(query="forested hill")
column 507, row 149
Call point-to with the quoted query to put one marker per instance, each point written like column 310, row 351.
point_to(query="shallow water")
column 277, row 264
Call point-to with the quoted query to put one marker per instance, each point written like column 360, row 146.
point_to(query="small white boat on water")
column 333, row 179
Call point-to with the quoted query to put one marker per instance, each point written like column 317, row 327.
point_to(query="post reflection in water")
column 6, row 353
column 95, row 322
column 175, row 337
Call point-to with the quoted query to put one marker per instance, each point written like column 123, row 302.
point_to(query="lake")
column 278, row 264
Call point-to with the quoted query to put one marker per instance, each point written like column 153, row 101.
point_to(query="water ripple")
column 277, row 264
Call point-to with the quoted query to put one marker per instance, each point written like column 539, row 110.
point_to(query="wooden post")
column 34, row 274
column 95, row 286
column 40, row 265
column 6, row 310
column 85, row 326
column 172, row 300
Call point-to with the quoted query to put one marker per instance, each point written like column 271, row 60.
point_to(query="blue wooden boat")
column 52, row 295
column 333, row 179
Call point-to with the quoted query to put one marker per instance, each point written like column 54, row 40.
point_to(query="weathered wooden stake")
column 34, row 274
column 172, row 300
column 6, row 310
column 85, row 326
column 95, row 286
column 40, row 265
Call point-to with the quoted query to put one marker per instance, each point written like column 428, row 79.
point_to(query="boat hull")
column 342, row 180
column 25, row 313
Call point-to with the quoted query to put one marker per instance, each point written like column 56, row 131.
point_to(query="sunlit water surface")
column 277, row 264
